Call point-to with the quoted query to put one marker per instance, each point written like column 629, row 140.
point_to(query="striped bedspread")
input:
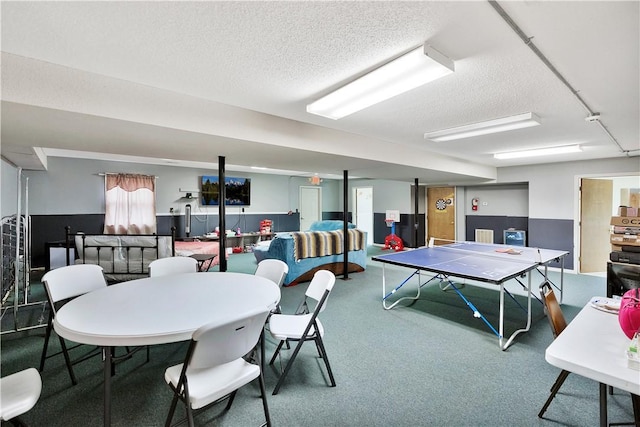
column 311, row 244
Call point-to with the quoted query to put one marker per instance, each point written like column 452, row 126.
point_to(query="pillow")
column 329, row 225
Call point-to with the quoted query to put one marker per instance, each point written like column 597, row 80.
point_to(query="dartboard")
column 441, row 204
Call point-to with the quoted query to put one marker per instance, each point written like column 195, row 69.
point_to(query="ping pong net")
column 490, row 250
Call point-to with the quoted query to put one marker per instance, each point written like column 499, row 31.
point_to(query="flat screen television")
column 515, row 237
column 238, row 191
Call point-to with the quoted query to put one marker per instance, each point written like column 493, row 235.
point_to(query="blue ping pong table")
column 482, row 262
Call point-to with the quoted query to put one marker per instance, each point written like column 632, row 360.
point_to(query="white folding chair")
column 274, row 270
column 304, row 325
column 62, row 285
column 214, row 367
column 172, row 265
column 19, row 393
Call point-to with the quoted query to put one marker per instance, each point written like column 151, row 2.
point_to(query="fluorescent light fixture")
column 519, row 121
column 409, row 71
column 540, row 152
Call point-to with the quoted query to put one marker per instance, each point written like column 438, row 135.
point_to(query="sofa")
column 319, row 248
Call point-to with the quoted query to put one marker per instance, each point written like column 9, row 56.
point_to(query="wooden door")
column 596, row 199
column 441, row 214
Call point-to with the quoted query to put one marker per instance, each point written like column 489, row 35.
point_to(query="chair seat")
column 210, row 384
column 283, row 326
column 19, row 393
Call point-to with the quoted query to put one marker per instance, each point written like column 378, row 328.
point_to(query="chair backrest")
column 322, row 282
column 73, row 280
column 172, row 265
column 221, row 342
column 272, row 269
column 19, row 393
column 552, row 308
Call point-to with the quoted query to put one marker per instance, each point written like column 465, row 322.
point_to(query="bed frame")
column 122, row 257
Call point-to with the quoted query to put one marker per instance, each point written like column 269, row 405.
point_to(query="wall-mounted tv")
column 238, row 191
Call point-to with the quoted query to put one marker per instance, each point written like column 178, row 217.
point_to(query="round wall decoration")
column 441, row 204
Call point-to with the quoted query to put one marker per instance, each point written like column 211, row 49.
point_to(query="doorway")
column 441, row 214
column 596, row 200
column 310, row 206
column 363, row 211
column 587, row 212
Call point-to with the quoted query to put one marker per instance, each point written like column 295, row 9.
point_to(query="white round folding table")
column 159, row 310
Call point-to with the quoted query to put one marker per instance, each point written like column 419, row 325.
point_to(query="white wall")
column 619, row 183
column 9, row 185
column 553, row 187
column 386, row 195
column 498, row 200
column 74, row 186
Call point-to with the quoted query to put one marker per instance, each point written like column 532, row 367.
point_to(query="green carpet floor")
column 426, row 364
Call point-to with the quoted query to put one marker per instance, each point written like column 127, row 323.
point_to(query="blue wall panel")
column 553, row 234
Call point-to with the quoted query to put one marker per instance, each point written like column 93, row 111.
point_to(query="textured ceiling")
column 189, row 81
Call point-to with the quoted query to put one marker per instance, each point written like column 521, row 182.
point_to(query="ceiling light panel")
column 416, row 68
column 565, row 149
column 503, row 124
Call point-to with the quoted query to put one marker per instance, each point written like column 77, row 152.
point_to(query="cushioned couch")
column 319, row 248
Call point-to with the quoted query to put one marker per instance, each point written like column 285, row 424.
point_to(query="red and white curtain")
column 130, row 204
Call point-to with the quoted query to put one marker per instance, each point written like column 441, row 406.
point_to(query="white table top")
column 162, row 309
column 593, row 345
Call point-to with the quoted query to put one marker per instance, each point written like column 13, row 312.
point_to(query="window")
column 130, row 204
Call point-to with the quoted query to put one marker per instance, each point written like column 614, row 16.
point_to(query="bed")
column 127, row 257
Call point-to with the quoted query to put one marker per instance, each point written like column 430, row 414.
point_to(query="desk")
column 159, row 310
column 593, row 345
column 483, row 262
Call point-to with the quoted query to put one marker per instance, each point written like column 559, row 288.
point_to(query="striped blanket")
column 311, row 244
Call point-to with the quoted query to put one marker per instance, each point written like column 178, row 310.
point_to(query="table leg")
column 106, row 355
column 501, row 322
column 603, row 405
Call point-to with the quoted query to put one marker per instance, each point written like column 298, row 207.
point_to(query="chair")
column 214, row 367
column 64, row 284
column 172, row 265
column 304, row 326
column 558, row 324
column 274, row 270
column 19, row 393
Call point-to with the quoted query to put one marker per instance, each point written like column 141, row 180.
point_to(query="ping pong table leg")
column 561, row 278
column 527, row 327
column 525, row 288
column 514, row 298
column 476, row 312
column 386, row 295
column 546, row 276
